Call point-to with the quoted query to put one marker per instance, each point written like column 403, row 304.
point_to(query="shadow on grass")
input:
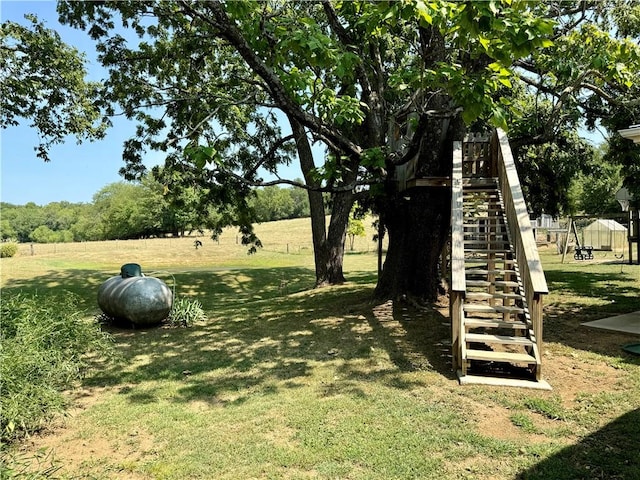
column 267, row 330
column 584, row 296
column 611, row 453
column 211, row 287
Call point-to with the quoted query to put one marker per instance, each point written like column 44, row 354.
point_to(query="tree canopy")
column 42, row 80
column 230, row 90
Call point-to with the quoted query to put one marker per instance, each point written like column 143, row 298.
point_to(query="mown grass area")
column 286, row 381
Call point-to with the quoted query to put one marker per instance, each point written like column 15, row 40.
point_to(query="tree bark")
column 334, row 274
column 417, row 221
column 316, row 202
column 417, row 227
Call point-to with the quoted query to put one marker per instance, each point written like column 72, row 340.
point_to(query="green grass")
column 291, row 382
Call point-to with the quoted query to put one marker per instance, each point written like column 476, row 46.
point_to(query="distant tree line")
column 144, row 209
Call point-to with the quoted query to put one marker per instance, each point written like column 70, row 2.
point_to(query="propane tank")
column 143, row 301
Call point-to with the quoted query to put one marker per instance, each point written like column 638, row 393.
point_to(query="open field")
column 284, row 381
column 76, row 266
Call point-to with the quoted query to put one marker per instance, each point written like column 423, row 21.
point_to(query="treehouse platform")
column 497, row 283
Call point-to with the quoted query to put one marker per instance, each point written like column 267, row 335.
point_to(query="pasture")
column 289, row 382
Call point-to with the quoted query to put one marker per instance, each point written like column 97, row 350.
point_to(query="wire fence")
column 185, row 244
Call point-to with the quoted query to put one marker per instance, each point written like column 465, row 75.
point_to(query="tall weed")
column 45, row 342
column 185, row 312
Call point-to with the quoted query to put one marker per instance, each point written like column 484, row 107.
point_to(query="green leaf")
column 505, row 81
column 423, row 12
column 498, row 119
column 373, row 157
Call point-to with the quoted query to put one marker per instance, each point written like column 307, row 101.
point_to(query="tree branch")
column 270, row 153
column 282, row 181
column 230, row 32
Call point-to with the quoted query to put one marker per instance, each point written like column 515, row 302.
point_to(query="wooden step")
column 483, row 271
column 491, row 230
column 482, row 207
column 484, row 230
column 483, row 260
column 470, row 235
column 508, row 357
column 476, row 232
column 472, row 199
column 487, row 250
column 475, row 212
column 484, row 218
column 486, row 242
column 481, row 196
column 476, row 229
column 491, row 226
column 486, row 245
column 502, row 382
column 490, row 238
column 497, row 283
column 472, row 322
column 489, row 296
column 498, row 339
column 484, row 308
column 480, row 192
column 469, row 183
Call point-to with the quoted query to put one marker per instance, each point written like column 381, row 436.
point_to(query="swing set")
column 602, row 234
column 580, row 252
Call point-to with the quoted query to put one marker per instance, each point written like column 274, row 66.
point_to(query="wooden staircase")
column 497, row 281
column 497, row 333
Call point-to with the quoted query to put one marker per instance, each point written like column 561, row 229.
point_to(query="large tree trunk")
column 316, row 202
column 417, row 221
column 341, row 207
column 417, row 229
column 328, row 248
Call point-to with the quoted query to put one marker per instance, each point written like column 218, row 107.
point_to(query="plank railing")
column 476, row 157
column 522, row 233
column 458, row 280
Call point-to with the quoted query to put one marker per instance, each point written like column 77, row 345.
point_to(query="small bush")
column 185, row 312
column 8, row 250
column 45, row 342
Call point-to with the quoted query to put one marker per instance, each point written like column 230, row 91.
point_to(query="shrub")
column 8, row 250
column 45, row 342
column 185, row 312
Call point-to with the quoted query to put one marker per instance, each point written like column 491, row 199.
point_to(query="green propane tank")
column 143, row 301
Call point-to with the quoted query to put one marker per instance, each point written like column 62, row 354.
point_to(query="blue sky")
column 76, row 172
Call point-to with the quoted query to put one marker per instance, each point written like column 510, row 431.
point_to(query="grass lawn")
column 287, row 382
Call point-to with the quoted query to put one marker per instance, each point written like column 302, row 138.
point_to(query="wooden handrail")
column 458, row 279
column 522, row 235
column 458, row 282
column 518, row 216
